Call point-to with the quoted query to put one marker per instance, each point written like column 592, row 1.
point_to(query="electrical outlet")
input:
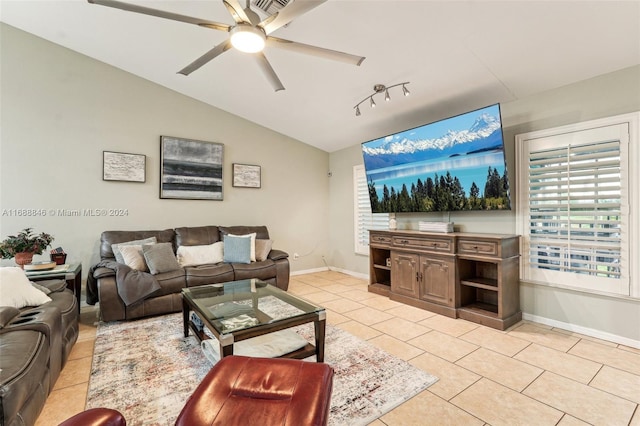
column 296, row 256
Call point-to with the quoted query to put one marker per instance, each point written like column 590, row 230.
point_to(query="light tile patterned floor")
column 530, row 374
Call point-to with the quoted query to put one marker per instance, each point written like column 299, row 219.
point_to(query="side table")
column 72, row 275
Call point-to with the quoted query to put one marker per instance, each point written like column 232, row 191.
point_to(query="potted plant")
column 24, row 245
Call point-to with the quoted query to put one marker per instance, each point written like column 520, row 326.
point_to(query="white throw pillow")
column 200, row 255
column 133, row 257
column 16, row 289
column 253, row 243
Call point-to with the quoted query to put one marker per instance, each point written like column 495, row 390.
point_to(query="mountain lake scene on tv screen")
column 453, row 164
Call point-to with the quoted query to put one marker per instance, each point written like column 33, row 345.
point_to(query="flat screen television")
column 450, row 165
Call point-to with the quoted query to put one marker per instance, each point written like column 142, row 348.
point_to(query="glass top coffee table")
column 239, row 310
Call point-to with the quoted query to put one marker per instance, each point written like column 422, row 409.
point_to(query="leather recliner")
column 35, row 343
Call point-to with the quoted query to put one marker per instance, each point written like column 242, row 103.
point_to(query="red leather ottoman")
column 261, row 391
column 96, row 417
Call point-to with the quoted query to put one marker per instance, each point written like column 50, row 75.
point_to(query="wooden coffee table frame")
column 228, row 339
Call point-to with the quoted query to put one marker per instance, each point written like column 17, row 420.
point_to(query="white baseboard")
column 331, row 268
column 583, row 330
column 309, row 271
column 347, row 272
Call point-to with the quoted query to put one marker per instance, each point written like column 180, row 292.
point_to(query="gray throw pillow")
column 237, row 249
column 160, row 258
column 263, row 247
column 116, row 250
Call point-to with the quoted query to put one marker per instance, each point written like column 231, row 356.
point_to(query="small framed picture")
column 123, row 167
column 246, row 176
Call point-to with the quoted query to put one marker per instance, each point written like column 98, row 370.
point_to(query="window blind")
column 575, row 209
column 364, row 220
column 576, row 186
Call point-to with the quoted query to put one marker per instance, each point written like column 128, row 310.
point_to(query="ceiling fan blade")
column 161, row 14
column 321, row 52
column 210, row 55
column 236, row 11
column 268, row 72
column 288, row 14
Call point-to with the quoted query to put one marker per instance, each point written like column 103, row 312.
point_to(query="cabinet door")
column 404, row 273
column 437, row 280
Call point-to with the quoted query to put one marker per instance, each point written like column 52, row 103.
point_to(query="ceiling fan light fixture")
column 373, row 104
column 405, row 90
column 247, row 38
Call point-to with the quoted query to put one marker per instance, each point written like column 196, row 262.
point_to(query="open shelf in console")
column 488, row 290
column 380, row 270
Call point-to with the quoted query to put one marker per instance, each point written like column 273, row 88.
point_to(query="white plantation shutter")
column 363, row 218
column 574, row 214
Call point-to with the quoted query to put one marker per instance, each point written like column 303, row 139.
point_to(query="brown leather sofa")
column 35, row 343
column 102, row 286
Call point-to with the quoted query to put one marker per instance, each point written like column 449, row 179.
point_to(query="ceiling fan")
column 250, row 34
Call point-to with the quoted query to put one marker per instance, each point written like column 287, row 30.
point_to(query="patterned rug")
column 146, row 369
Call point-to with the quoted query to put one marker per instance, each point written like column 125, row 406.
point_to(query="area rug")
column 146, row 369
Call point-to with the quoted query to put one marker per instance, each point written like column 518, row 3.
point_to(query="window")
column 575, row 188
column 363, row 218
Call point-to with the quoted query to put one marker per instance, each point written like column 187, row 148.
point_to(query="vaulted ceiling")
column 457, row 56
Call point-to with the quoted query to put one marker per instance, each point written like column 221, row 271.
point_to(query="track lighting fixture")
column 379, row 88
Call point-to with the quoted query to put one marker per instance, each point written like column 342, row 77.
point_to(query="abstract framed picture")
column 120, row 166
column 246, row 176
column 191, row 169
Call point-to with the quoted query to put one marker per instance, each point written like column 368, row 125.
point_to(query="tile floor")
column 531, row 374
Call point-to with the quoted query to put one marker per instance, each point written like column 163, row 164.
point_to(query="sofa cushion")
column 237, row 249
column 170, row 282
column 209, row 274
column 262, row 232
column 200, row 255
column 16, row 289
column 116, row 247
column 160, row 258
column 197, row 235
column 261, row 270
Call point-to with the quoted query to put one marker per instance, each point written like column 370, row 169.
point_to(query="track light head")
column 386, row 95
column 405, row 90
column 357, row 110
column 373, row 104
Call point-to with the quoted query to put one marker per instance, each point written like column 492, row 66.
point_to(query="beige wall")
column 603, row 96
column 60, row 110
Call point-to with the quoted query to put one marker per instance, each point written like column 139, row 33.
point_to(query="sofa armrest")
column 103, row 272
column 277, row 255
column 47, row 320
column 6, row 315
column 112, row 307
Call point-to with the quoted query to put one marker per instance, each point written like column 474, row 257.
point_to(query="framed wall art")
column 190, row 169
column 246, row 176
column 119, row 166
